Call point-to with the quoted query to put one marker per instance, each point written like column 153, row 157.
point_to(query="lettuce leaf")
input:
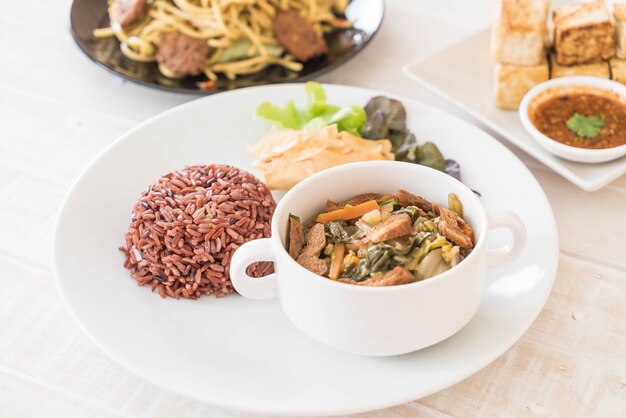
column 318, row 113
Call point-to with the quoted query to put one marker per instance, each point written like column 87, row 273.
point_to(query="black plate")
column 87, row 15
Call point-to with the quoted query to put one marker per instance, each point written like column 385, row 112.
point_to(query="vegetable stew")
column 382, row 240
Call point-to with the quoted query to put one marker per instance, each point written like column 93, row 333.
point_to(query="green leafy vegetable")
column 429, row 155
column 294, row 217
column 585, row 127
column 339, row 231
column 287, row 117
column 317, row 114
column 377, row 258
column 380, row 258
column 386, row 119
column 382, row 118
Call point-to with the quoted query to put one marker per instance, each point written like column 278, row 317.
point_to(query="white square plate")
column 463, row 75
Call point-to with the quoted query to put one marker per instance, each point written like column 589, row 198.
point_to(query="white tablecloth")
column 58, row 111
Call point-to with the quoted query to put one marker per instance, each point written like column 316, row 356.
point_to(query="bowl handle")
column 505, row 219
column 251, row 287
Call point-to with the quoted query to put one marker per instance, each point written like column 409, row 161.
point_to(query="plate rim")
column 590, row 186
column 389, row 401
column 197, row 92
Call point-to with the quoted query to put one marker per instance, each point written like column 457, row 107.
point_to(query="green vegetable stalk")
column 454, row 204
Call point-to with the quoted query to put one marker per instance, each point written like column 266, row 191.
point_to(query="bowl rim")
column 378, row 165
column 559, row 148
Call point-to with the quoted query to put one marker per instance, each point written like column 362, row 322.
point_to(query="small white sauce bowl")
column 559, row 85
column 376, row 321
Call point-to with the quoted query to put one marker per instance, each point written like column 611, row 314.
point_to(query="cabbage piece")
column 451, row 254
column 432, row 264
column 455, row 204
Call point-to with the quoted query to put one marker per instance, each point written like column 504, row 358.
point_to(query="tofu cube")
column 595, row 69
column 619, row 15
column 618, row 70
column 583, row 33
column 512, row 82
column 519, row 33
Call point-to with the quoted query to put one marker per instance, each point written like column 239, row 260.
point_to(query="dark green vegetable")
column 340, row 231
column 378, row 258
column 386, row 119
column 297, row 218
column 357, row 272
column 405, row 147
column 430, row 156
column 421, row 237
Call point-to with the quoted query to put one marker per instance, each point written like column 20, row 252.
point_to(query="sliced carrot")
column 337, row 261
column 348, row 212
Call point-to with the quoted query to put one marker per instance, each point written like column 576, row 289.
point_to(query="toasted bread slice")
column 583, row 33
column 512, row 82
column 619, row 15
column 594, row 69
column 519, row 32
column 618, row 70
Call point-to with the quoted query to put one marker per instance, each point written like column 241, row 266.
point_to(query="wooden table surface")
column 58, row 111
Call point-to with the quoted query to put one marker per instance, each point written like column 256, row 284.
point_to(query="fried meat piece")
column 182, row 54
column 453, row 227
column 296, row 238
column 405, row 198
column 315, row 243
column 298, row 35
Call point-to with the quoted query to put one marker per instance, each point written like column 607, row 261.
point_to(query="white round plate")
column 243, row 354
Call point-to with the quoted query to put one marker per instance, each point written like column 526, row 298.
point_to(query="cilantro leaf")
column 585, row 127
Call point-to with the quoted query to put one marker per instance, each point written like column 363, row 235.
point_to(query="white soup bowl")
column 378, row 321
